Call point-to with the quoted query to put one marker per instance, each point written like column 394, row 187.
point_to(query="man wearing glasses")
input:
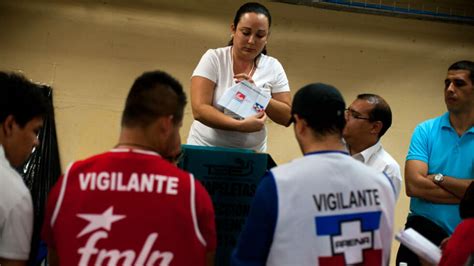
column 367, row 120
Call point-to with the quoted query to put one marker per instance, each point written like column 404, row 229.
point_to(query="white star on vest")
column 97, row 221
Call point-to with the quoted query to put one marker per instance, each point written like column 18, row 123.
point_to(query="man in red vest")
column 130, row 206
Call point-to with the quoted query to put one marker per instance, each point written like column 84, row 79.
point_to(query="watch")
column 438, row 178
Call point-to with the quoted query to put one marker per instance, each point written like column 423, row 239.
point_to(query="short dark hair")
column 322, row 106
column 464, row 65
column 21, row 98
column 381, row 111
column 466, row 206
column 153, row 94
column 252, row 7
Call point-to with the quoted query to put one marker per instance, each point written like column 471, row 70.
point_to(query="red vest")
column 129, row 207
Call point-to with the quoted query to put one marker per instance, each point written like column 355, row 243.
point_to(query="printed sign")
column 231, row 177
column 351, row 238
column 244, row 100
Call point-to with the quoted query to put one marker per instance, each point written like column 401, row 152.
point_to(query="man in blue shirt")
column 440, row 162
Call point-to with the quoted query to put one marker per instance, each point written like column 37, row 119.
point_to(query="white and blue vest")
column 332, row 210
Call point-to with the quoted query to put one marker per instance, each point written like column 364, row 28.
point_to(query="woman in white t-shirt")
column 219, row 69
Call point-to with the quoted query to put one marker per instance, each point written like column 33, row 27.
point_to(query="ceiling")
column 455, row 11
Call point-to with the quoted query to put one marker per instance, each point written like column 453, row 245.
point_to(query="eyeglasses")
column 355, row 115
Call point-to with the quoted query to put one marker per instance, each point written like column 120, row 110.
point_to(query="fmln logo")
column 93, row 254
column 351, row 238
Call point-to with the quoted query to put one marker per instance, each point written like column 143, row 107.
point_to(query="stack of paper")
column 244, row 99
column 419, row 245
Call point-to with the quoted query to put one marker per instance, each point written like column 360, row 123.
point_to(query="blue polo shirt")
column 436, row 143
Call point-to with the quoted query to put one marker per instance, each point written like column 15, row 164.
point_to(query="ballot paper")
column 244, row 99
column 419, row 245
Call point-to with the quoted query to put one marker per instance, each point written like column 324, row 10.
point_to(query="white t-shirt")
column 377, row 158
column 216, row 65
column 16, row 213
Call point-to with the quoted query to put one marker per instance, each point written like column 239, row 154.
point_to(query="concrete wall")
column 91, row 51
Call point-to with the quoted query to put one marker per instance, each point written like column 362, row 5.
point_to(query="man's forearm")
column 453, row 185
column 423, row 187
column 419, row 184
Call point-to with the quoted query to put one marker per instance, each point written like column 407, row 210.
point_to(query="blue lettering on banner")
column 330, row 225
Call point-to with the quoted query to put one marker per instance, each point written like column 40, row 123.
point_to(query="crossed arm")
column 418, row 183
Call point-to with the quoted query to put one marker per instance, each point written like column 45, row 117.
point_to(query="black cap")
column 321, row 105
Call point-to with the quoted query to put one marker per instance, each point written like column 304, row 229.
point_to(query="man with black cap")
column 325, row 208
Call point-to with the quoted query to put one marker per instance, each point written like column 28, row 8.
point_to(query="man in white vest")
column 325, row 208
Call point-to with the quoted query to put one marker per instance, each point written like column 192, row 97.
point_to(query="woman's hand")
column 253, row 123
column 279, row 107
column 202, row 91
column 243, row 76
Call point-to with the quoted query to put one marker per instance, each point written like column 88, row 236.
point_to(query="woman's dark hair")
column 252, row 7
